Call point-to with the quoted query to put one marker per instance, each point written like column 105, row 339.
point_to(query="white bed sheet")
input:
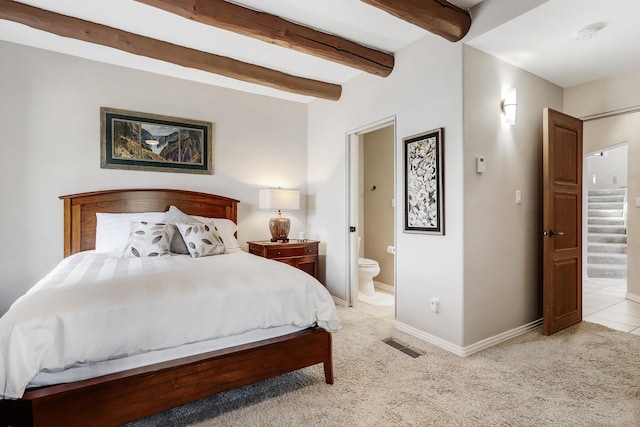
column 93, row 308
column 97, row 369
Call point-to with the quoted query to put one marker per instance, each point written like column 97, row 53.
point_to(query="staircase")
column 606, row 234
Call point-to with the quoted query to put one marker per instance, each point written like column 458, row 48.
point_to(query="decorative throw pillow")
column 201, row 239
column 148, row 239
column 226, row 228
column 172, row 217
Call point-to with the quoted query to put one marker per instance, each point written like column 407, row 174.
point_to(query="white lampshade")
column 279, row 199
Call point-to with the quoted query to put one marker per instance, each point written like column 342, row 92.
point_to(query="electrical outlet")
column 435, row 304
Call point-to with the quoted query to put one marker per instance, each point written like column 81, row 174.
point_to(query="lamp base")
column 279, row 228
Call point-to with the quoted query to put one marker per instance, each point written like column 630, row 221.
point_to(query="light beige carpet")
column 587, row 375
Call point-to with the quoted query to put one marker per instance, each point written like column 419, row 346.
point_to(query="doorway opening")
column 605, row 216
column 372, row 218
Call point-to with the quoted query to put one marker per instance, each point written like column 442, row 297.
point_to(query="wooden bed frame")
column 137, row 393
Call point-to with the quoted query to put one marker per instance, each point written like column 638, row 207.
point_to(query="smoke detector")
column 589, row 31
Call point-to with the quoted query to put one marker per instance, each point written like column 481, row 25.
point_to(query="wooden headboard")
column 80, row 210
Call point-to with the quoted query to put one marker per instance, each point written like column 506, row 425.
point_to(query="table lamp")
column 280, row 200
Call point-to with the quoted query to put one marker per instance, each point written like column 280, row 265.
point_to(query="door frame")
column 352, row 138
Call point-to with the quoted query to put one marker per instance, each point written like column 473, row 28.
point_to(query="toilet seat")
column 366, row 262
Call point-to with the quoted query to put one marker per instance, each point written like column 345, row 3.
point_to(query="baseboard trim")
column 340, row 302
column 431, row 339
column 384, row 287
column 504, row 336
column 473, row 348
column 633, row 297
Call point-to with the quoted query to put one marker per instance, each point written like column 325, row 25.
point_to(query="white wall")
column 605, row 95
column 424, row 92
column 615, row 93
column 502, row 241
column 50, row 139
column 608, row 170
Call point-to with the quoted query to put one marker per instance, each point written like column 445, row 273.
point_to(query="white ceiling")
column 543, row 40
column 540, row 40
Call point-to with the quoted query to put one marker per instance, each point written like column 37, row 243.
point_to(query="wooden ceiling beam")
column 437, row 16
column 273, row 29
column 79, row 29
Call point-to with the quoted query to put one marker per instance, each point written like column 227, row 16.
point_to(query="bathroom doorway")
column 372, row 217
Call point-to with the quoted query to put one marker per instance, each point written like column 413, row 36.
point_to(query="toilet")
column 367, row 270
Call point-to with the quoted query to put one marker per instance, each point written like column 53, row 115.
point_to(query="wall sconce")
column 280, row 200
column 509, row 107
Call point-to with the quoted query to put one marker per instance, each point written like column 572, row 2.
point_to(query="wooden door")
column 562, row 221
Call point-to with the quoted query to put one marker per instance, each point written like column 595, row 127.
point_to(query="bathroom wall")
column 378, row 228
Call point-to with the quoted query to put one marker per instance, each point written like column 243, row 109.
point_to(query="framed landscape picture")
column 424, row 186
column 149, row 142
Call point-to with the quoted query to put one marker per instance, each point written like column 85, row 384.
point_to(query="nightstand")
column 302, row 255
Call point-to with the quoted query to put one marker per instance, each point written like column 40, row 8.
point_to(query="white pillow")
column 112, row 229
column 148, row 239
column 201, row 239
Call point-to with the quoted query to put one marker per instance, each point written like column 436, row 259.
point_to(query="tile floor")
column 385, row 312
column 603, row 302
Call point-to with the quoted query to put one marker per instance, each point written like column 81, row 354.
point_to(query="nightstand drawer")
column 301, row 255
column 291, row 251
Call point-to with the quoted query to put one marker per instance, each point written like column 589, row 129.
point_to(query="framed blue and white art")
column 424, row 182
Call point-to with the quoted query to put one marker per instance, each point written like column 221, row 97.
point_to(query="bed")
column 119, row 397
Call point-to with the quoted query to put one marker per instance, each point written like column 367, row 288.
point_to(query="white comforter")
column 92, row 307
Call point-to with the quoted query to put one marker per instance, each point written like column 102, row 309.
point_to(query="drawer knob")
column 308, row 250
column 279, row 253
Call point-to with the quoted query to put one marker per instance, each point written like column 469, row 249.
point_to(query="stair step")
column 606, row 248
column 605, row 221
column 607, row 238
column 619, row 259
column 605, row 199
column 607, row 271
column 608, row 213
column 606, row 229
column 606, row 205
column 608, row 192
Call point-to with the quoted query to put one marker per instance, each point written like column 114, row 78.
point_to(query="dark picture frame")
column 424, row 182
column 151, row 142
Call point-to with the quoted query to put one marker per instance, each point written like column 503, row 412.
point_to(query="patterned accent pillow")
column 148, row 239
column 201, row 239
column 174, row 216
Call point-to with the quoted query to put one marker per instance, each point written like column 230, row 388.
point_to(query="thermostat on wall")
column 481, row 164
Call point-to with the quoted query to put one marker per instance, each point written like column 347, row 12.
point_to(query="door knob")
column 552, row 233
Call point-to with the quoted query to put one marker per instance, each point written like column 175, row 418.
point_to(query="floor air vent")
column 403, row 348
